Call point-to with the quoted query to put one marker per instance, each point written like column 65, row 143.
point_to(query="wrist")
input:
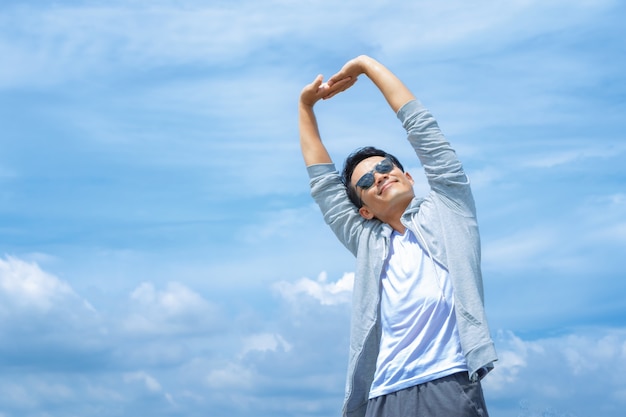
column 368, row 65
column 365, row 63
column 306, row 107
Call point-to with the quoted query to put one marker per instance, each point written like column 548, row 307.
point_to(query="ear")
column 406, row 174
column 366, row 213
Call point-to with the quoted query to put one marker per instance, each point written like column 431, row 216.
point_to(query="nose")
column 380, row 177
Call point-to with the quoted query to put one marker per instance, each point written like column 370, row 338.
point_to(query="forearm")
column 394, row 91
column 313, row 150
column 392, row 88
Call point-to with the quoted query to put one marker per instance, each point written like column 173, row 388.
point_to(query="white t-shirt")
column 420, row 340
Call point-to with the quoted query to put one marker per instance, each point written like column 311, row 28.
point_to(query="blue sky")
column 160, row 253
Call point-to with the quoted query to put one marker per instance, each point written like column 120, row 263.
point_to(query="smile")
column 386, row 185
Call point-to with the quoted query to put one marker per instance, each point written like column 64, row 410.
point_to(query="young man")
column 419, row 342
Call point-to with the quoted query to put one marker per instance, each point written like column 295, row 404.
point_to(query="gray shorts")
column 450, row 396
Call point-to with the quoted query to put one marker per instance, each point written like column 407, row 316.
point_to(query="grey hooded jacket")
column 444, row 222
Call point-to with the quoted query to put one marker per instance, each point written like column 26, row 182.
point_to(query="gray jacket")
column 444, row 222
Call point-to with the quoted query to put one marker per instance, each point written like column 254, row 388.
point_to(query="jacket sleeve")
column 443, row 169
column 331, row 196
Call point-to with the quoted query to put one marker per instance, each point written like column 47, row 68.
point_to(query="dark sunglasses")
column 367, row 180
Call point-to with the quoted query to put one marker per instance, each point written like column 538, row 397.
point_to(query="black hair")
column 353, row 160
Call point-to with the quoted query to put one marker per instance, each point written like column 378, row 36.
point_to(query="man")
column 419, row 342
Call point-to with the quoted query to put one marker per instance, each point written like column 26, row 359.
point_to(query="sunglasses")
column 367, row 180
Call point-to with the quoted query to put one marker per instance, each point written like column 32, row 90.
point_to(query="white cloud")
column 24, row 285
column 548, row 372
column 149, row 383
column 175, row 300
column 145, row 378
column 63, row 42
column 264, row 342
column 326, row 293
column 175, row 309
column 512, row 360
column 449, row 27
column 231, row 376
column 515, row 251
column 484, row 177
column 568, row 156
column 278, row 224
column 539, row 240
column 605, row 216
column 69, row 41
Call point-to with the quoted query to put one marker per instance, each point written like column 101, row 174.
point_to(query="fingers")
column 349, row 70
column 340, row 81
column 337, row 78
column 340, row 86
column 318, row 89
column 314, row 85
column 313, row 92
column 318, row 81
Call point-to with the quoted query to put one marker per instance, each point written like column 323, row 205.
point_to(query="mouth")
column 385, row 185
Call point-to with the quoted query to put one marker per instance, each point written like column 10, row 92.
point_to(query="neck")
column 397, row 226
column 394, row 219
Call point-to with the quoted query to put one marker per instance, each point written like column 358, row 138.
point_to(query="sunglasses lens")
column 384, row 166
column 366, row 181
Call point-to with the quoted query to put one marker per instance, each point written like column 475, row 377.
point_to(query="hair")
column 353, row 160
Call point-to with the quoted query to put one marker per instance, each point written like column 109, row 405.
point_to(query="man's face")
column 390, row 192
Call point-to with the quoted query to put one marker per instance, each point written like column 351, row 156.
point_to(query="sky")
column 160, row 253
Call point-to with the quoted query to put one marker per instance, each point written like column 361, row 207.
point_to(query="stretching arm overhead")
column 313, row 150
column 394, row 90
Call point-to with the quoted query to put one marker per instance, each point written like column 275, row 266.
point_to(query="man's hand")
column 395, row 92
column 392, row 88
column 351, row 70
column 319, row 90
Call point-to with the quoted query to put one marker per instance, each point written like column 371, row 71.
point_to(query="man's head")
column 376, row 182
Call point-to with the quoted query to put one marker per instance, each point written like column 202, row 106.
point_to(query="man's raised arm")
column 395, row 92
column 313, row 150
